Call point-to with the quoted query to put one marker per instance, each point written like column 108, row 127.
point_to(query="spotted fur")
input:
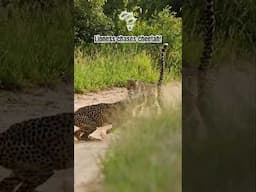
column 209, row 29
column 88, row 118
column 161, row 75
column 34, row 149
column 162, row 65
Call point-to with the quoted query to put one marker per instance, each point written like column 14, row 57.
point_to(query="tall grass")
column 110, row 66
column 112, row 69
column 36, row 48
column 148, row 158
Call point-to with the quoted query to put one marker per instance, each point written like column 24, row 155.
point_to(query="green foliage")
column 148, row 9
column 90, row 20
column 111, row 68
column 35, row 47
column 148, row 158
column 143, row 9
column 102, row 16
column 170, row 27
column 112, row 9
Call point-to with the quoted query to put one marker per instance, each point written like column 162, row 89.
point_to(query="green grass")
column 112, row 68
column 147, row 157
column 35, row 48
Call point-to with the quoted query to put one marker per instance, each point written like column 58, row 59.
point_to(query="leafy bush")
column 90, row 20
column 102, row 16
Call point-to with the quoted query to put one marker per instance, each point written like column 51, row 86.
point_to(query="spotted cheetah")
column 88, row 118
column 34, row 149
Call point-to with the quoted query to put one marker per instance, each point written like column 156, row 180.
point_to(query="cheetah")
column 89, row 118
column 34, row 149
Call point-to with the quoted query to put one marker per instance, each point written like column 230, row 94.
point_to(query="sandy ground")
column 88, row 154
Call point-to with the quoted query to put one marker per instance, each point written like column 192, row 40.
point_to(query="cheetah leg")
column 36, row 179
column 77, row 134
column 9, row 183
column 83, row 133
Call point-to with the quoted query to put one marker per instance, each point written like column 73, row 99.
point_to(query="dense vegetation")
column 36, row 46
column 105, row 65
